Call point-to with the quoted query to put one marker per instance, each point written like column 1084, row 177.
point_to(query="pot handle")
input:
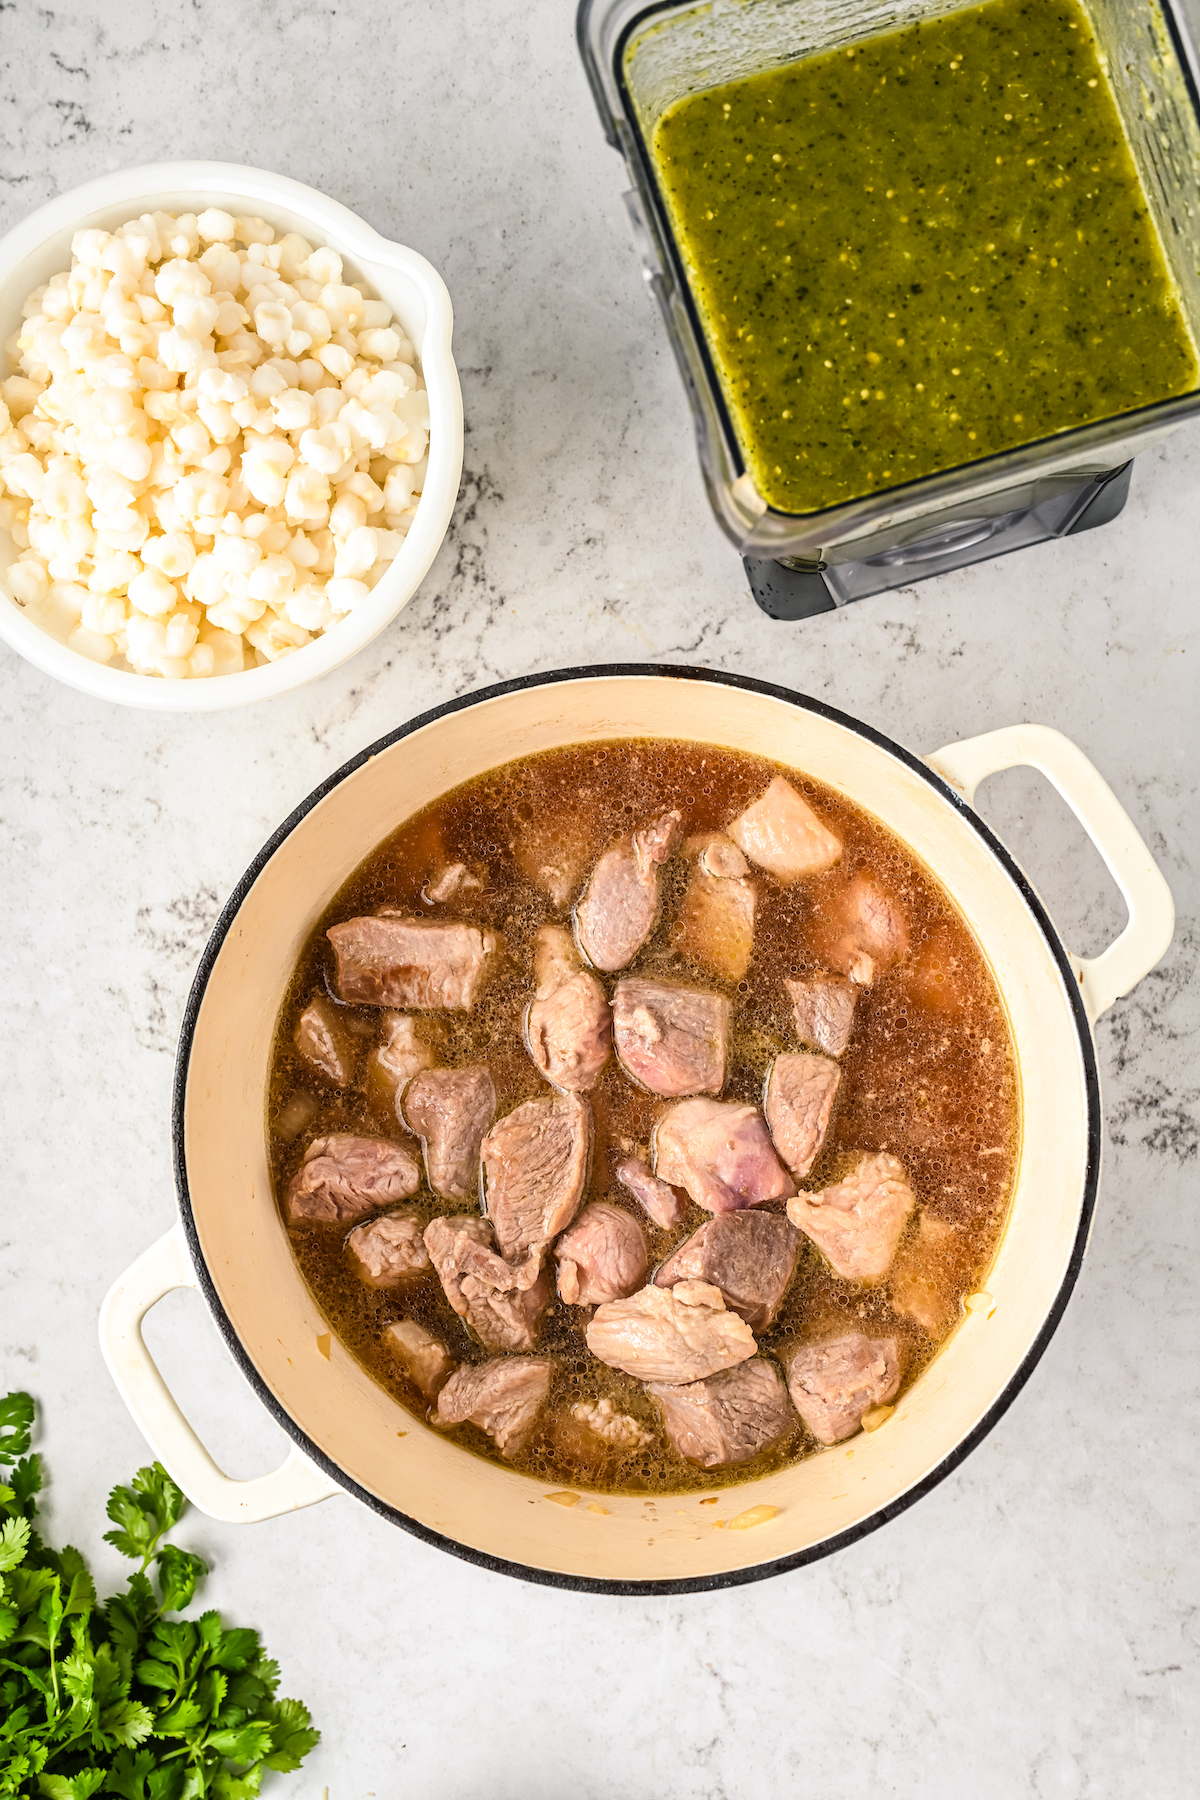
column 1146, row 937
column 165, row 1266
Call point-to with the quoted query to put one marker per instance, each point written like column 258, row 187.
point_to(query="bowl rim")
column 864, row 1527
column 142, row 185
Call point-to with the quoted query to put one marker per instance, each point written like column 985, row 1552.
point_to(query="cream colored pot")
column 350, row 1435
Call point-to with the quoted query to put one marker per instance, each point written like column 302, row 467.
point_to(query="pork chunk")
column 871, row 933
column 618, row 910
column 602, row 1256
column 720, row 1151
column 857, row 1223
column 426, row 1362
column 716, row 923
column 823, row 1006
column 501, row 1303
column 671, row 1039
column 400, row 1054
column 834, row 1384
column 749, row 1256
column 343, row 1177
column 658, row 1201
column 568, row 1028
column 429, row 964
column 801, row 1090
column 783, row 835
column 323, row 1041
column 450, row 1110
column 454, row 879
column 728, row 1418
column 503, row 1397
column 388, row 1250
column 536, row 1165
column 670, row 1334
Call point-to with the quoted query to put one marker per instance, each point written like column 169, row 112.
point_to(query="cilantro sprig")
column 118, row 1698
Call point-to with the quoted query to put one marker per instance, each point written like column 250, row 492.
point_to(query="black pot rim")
column 735, row 1577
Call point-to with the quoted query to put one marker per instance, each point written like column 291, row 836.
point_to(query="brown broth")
column 928, row 1075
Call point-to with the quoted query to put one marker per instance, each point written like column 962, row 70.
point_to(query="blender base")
column 786, row 590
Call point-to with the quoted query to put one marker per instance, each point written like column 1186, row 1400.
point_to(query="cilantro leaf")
column 26, row 1479
column 179, row 1572
column 127, row 1776
column 292, row 1735
column 134, row 1519
column 16, row 1425
column 14, row 1540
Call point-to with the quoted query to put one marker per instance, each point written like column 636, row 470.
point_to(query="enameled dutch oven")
column 230, row 1241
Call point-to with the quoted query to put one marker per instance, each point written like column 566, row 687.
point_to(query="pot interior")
column 371, row 1439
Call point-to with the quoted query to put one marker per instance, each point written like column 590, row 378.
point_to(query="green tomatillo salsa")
column 919, row 250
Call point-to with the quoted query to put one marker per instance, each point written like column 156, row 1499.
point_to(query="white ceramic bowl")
column 36, row 249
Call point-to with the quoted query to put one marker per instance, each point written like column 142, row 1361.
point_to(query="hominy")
column 213, row 449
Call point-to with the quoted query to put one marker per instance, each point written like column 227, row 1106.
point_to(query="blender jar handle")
column 165, row 1266
column 1146, row 937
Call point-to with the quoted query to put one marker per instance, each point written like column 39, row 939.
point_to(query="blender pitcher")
column 641, row 59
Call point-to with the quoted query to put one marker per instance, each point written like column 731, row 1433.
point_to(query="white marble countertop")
column 1033, row 1626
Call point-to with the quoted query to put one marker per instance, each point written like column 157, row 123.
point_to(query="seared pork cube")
column 618, row 910
column 728, row 1418
column 568, row 1028
column 857, row 1222
column 427, row 1363
column 670, row 1334
column 750, row 1256
column 386, row 960
column 389, row 1250
column 535, row 1164
column 870, row 931
column 343, row 1177
column 671, row 1039
column 833, row 1384
column 721, row 1152
column 502, row 1397
column 924, row 1281
column 400, row 1054
column 801, row 1090
column 823, row 1006
column 450, row 1110
column 658, row 1201
column 602, row 1256
column 455, row 878
column 783, row 835
column 324, row 1042
column 501, row 1303
column 716, row 923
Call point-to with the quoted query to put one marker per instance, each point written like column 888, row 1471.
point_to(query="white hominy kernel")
column 253, row 231
column 28, row 581
column 381, row 344
column 103, row 613
column 356, row 556
column 324, row 266
column 337, row 360
column 166, row 383
column 130, row 457
column 174, row 553
column 345, row 515
column 215, row 226
column 153, row 594
column 344, row 594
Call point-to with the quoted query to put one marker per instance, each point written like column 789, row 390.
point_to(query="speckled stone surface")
column 1033, row 1626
